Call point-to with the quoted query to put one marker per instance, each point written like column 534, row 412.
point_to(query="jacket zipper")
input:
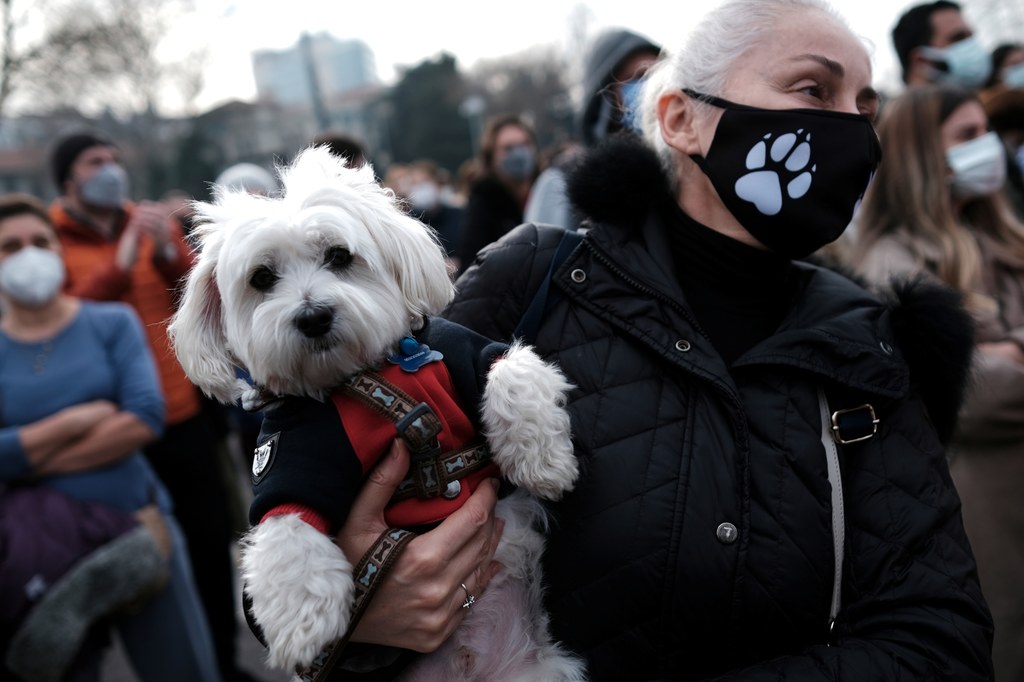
column 740, row 427
column 742, row 432
column 643, row 288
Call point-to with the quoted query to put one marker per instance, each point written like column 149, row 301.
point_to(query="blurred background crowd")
column 472, row 154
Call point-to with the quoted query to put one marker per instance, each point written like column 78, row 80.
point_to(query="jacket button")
column 727, row 533
column 578, row 276
column 682, row 345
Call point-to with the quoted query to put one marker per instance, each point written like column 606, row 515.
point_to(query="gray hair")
column 706, row 58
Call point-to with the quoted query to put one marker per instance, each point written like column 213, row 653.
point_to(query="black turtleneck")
column 738, row 293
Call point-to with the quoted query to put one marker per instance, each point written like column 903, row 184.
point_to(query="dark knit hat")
column 68, row 149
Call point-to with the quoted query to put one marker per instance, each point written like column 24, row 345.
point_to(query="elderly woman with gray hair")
column 764, row 492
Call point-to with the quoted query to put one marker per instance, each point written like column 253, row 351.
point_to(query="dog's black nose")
column 314, row 321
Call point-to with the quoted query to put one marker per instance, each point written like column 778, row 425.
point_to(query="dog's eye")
column 337, row 258
column 262, row 278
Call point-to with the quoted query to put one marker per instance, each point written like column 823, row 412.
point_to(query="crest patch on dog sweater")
column 412, row 355
column 263, row 457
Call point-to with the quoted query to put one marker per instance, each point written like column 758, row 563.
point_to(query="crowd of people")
column 793, row 315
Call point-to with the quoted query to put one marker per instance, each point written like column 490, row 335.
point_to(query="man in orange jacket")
column 116, row 250
column 119, row 251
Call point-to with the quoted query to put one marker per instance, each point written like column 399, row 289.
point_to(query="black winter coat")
column 673, row 444
column 492, row 210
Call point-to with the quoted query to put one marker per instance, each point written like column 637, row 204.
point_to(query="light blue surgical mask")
column 631, row 93
column 1013, row 76
column 968, row 62
column 978, row 165
column 107, row 188
column 519, row 162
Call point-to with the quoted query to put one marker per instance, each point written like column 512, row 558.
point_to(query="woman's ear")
column 919, row 67
column 678, row 122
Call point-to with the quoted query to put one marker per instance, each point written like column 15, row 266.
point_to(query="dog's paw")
column 549, row 473
column 301, row 588
column 527, row 425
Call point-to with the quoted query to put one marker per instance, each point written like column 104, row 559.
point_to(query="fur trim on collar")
column 617, row 181
column 936, row 335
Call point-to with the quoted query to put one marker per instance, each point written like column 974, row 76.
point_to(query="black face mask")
column 792, row 177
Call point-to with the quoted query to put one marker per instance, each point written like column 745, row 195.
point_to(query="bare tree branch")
column 92, row 54
column 7, row 60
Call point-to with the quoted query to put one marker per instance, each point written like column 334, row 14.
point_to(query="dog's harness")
column 432, row 474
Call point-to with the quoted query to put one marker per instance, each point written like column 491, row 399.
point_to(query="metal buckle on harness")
column 419, row 429
column 854, row 424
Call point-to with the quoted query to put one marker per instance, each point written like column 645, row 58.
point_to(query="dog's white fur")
column 299, row 580
column 526, row 424
column 284, row 558
column 523, row 654
column 397, row 275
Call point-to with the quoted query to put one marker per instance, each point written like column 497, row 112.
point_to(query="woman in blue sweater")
column 79, row 397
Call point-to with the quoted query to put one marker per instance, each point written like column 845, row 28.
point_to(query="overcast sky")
column 405, row 32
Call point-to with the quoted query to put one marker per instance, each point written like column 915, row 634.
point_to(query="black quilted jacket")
column 642, row 577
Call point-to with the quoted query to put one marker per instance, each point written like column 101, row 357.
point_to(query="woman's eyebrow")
column 835, row 67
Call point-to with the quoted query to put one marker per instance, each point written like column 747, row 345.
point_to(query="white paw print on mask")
column 788, row 155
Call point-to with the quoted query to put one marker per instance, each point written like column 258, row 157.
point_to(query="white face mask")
column 32, row 276
column 1013, row 76
column 424, row 196
column 978, row 165
column 968, row 62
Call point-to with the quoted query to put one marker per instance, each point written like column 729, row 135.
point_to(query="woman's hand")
column 79, row 419
column 43, row 440
column 150, row 218
column 419, row 603
column 1007, row 350
column 127, row 248
column 105, row 441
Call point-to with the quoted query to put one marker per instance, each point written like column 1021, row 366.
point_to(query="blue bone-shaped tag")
column 412, row 355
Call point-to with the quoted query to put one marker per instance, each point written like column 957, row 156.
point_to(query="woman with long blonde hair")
column 921, row 216
column 937, row 208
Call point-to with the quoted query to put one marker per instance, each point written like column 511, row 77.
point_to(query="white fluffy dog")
column 305, row 292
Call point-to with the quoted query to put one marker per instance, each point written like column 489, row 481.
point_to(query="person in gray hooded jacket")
column 615, row 65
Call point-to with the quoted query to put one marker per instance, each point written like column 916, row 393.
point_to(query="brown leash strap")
column 369, row 574
column 395, row 404
column 433, row 477
column 431, row 474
